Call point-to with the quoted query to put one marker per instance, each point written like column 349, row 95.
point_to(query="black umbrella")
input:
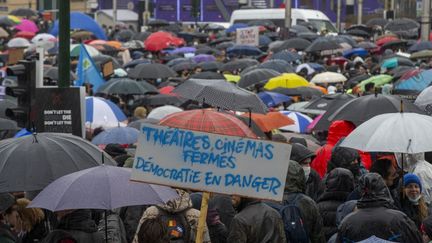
column 392, row 44
column 6, row 124
column 356, row 80
column 151, row 71
column 184, row 66
column 136, row 62
column 52, row 73
column 158, row 23
column 220, row 40
column 142, row 36
column 6, row 22
column 219, row 93
column 367, row 45
column 5, row 104
column 238, row 64
column 306, row 92
column 23, row 12
column 325, row 101
column 323, row 44
column 278, row 65
column 124, row 35
column 364, row 108
column 359, row 32
column 399, row 71
column 297, row 29
column 174, row 28
column 296, row 43
column 359, row 27
column 376, row 22
column 30, row 163
column 402, row 24
column 256, row 76
column 210, row 66
column 127, row 86
column 343, row 39
column 160, row 100
column 207, row 75
column 179, row 60
column 208, row 50
column 310, row 36
column 224, row 45
column 285, row 55
column 190, row 36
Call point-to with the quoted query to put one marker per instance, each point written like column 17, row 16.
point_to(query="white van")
column 277, row 15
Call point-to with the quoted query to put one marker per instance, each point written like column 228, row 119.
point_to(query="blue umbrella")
column 82, row 21
column 102, row 112
column 418, row 82
column 21, row 133
column 120, row 135
column 272, row 99
column 286, row 55
column 264, row 40
column 244, row 50
column 390, row 63
column 234, row 27
column 101, row 187
column 185, row 49
column 356, row 51
column 203, row 58
column 301, row 122
column 420, row 46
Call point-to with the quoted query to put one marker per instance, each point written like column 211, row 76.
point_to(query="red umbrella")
column 161, row 40
column 410, row 74
column 167, row 90
column 386, row 39
column 25, row 34
column 208, row 121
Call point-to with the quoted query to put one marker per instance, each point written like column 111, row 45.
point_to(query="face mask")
column 307, row 171
column 414, row 200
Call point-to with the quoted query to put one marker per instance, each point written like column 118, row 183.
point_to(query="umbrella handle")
column 106, row 225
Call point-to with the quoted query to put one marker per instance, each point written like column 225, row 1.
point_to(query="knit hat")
column 412, row 178
column 6, row 201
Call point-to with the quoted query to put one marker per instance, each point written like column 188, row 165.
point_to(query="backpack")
column 295, row 230
column 178, row 227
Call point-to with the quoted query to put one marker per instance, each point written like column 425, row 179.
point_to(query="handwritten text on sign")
column 211, row 162
column 248, row 36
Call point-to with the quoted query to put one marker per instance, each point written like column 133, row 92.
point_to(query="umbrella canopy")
column 136, row 62
column 207, row 75
column 203, row 58
column 256, row 76
column 30, row 163
column 160, row 100
column 301, row 122
column 378, row 81
column 402, row 24
column 52, row 73
column 277, row 65
column 367, row 45
column 160, row 40
column 220, row 93
column 127, row 86
column 424, row 100
column 310, row 67
column 103, row 113
column 120, row 135
column 75, row 50
column 43, row 37
column 395, row 62
column 81, row 21
column 101, row 187
column 133, row 44
column 286, row 80
column 18, row 42
column 24, row 12
column 377, row 22
column 244, row 50
column 6, row 124
column 27, row 25
column 184, row 66
column 272, row 99
column 210, row 66
column 298, row 44
column 208, row 121
column 328, row 77
column 151, row 71
column 10, row 20
column 160, row 113
column 394, row 132
column 272, row 120
column 306, row 91
column 421, row 54
column 124, row 35
column 234, row 27
column 364, row 108
column 356, row 51
column 420, row 46
column 325, row 101
column 238, row 64
column 287, row 56
column 323, row 44
column 25, row 34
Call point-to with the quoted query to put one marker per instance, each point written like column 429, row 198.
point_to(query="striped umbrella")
column 301, row 122
column 103, row 113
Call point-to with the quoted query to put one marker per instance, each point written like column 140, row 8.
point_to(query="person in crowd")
column 80, row 225
column 348, row 158
column 153, row 231
column 338, row 184
column 59, row 236
column 139, row 113
column 7, row 200
column 295, row 187
column 341, row 212
column 426, row 229
column 375, row 217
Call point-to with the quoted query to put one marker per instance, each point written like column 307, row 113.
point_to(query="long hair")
column 153, row 231
column 29, row 216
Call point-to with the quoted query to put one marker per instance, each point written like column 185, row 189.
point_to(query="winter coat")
column 131, row 216
column 411, row 210
column 114, row 228
column 38, row 232
column 339, row 183
column 256, row 222
column 80, row 225
column 6, row 235
column 295, row 185
column 375, row 218
column 313, row 185
column 58, row 235
column 182, row 204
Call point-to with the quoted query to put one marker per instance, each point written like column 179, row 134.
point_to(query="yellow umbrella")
column 286, row 80
column 14, row 19
column 232, row 78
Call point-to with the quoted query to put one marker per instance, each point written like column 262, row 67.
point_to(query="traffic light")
column 25, row 71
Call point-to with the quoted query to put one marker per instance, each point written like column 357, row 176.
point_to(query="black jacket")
column 313, row 185
column 339, row 183
column 256, row 222
column 38, row 232
column 80, row 225
column 374, row 216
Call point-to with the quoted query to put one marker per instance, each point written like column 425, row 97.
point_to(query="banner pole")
column 203, row 217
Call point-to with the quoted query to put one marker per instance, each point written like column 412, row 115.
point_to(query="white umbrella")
column 18, row 42
column 43, row 37
column 163, row 111
column 393, row 132
column 424, row 100
column 328, row 77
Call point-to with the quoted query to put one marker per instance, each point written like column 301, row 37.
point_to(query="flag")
column 87, row 72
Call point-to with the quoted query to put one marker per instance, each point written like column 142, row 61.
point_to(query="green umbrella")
column 378, row 80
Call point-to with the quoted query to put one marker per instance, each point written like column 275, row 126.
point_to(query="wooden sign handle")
column 203, row 217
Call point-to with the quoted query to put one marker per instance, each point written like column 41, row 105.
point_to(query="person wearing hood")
column 255, row 222
column 181, row 205
column 347, row 158
column 411, row 201
column 338, row 184
column 6, row 201
column 304, row 156
column 80, row 225
column 341, row 212
column 295, row 187
column 375, row 217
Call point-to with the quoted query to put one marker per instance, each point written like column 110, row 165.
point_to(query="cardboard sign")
column 15, row 55
column 248, row 36
column 107, row 69
column 60, row 110
column 210, row 162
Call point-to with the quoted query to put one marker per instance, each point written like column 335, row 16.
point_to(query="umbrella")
column 207, row 75
column 402, row 24
column 185, row 49
column 394, row 44
column 184, row 66
column 310, row 67
column 160, row 40
column 221, row 40
column 203, row 58
column 30, row 163
column 151, row 71
column 364, row 108
column 326, row 101
column 238, row 64
column 306, row 92
column 393, row 132
column 224, row 45
column 136, row 62
column 160, row 100
column 133, row 44
column 6, row 124
column 18, row 43
column 101, row 187
column 356, row 51
column 297, row 29
column 52, row 73
column 418, row 82
column 160, row 113
column 395, row 62
column 376, row 22
column 220, row 93
column 103, row 113
column 208, row 121
column 286, row 80
column 232, row 78
column 328, row 77
column 301, row 122
column 126, row 86
column 287, row 56
column 208, row 50
column 5, row 104
column 272, row 99
column 3, row 33
column 420, row 46
column 244, row 50
column 295, row 43
column 378, row 81
column 210, row 66
column 75, row 50
column 367, row 45
column 234, row 27
column 27, row 25
column 7, row 21
column 400, row 71
column 43, row 37
column 141, row 36
column 323, row 44
column 309, row 36
column 23, row 132
column 124, row 35
column 264, row 41
column 359, row 32
column 272, row 120
column 120, row 135
column 277, row 65
column 424, row 100
column 256, row 76
column 214, row 26
column 24, row 12
column 421, row 54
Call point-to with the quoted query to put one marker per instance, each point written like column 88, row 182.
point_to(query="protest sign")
column 211, row 162
column 248, row 36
